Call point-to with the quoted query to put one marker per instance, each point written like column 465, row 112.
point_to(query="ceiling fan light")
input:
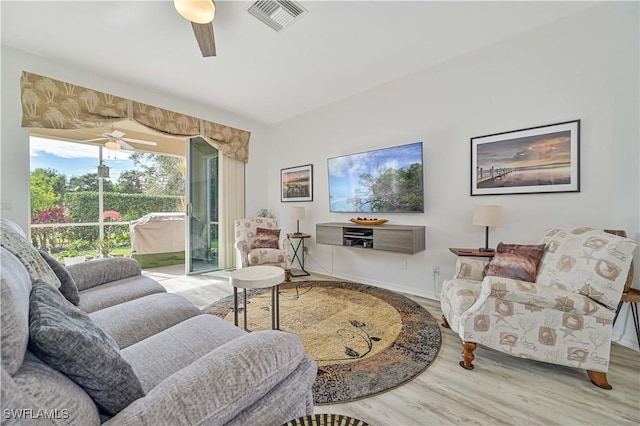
column 112, row 145
column 198, row 11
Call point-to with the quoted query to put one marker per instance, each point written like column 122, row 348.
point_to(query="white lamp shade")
column 298, row 213
column 112, row 145
column 198, row 11
column 488, row 216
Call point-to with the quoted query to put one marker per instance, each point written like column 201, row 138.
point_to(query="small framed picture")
column 535, row 160
column 296, row 183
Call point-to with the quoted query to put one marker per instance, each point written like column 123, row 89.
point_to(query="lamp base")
column 486, row 249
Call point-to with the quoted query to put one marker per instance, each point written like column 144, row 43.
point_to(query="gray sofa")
column 188, row 368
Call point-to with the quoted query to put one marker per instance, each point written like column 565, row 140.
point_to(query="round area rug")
column 326, row 420
column 365, row 340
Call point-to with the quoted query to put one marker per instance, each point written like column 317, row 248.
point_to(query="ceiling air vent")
column 277, row 13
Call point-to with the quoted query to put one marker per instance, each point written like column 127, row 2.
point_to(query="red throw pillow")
column 516, row 261
column 266, row 238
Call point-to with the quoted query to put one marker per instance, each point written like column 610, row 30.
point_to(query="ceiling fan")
column 116, row 140
column 200, row 13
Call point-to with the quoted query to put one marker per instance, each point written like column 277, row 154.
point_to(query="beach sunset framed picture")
column 297, row 183
column 534, row 160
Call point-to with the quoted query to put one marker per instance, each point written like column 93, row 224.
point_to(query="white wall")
column 14, row 146
column 581, row 67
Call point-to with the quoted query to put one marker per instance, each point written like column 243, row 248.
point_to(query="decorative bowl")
column 369, row 221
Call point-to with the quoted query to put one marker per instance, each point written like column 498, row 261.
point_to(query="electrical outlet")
column 306, row 250
column 436, row 269
column 404, row 264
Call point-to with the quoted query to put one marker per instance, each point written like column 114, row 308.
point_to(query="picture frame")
column 538, row 159
column 296, row 183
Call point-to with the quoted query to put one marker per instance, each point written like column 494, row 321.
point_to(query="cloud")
column 65, row 149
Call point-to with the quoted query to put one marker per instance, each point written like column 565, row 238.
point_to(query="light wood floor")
column 502, row 390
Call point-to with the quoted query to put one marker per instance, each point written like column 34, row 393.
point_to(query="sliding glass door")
column 202, row 207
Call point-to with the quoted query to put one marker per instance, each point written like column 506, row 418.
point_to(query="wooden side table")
column 471, row 252
column 299, row 247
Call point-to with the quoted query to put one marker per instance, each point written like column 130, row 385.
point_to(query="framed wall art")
column 534, row 160
column 296, row 183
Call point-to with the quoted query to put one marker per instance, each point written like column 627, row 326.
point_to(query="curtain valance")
column 54, row 104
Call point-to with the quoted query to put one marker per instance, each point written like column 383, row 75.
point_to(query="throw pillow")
column 28, row 256
column 66, row 339
column 266, row 238
column 516, row 261
column 68, row 286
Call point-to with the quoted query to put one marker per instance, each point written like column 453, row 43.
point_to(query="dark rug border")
column 419, row 342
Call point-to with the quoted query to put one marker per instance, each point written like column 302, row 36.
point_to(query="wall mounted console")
column 396, row 238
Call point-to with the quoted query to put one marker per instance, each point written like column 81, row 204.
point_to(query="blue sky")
column 344, row 172
column 76, row 159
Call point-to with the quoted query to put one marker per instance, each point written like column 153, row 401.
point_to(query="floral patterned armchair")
column 565, row 317
column 258, row 243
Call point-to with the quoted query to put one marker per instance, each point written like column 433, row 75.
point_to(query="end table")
column 299, row 247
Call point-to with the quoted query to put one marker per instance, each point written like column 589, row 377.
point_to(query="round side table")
column 257, row 277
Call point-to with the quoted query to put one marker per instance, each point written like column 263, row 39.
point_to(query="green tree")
column 89, row 183
column 391, row 190
column 130, row 182
column 47, row 189
column 162, row 174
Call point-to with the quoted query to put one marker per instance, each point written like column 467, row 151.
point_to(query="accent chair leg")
column 467, row 355
column 445, row 323
column 287, row 275
column 599, row 379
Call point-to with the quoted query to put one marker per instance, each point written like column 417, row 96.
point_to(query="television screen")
column 386, row 180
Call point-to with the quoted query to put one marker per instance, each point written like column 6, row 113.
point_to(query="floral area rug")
column 366, row 340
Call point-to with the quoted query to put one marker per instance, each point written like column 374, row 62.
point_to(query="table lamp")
column 298, row 214
column 487, row 216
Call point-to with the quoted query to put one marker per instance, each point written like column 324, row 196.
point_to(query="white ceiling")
column 336, row 50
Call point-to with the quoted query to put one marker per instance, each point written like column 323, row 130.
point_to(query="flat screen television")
column 387, row 180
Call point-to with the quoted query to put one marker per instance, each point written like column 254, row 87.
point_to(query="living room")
column 582, row 66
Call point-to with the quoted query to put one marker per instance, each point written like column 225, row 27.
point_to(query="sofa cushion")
column 14, row 307
column 266, row 238
column 603, row 260
column 68, row 286
column 66, row 339
column 135, row 320
column 29, row 256
column 103, row 271
column 37, row 386
column 159, row 356
column 516, row 261
column 114, row 293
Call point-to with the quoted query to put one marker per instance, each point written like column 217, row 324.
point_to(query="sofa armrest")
column 285, row 245
column 221, row 384
column 543, row 297
column 470, row 269
column 101, row 271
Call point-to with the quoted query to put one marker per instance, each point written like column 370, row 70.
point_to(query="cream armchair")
column 253, row 236
column 565, row 317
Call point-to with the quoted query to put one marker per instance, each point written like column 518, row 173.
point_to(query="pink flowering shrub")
column 112, row 216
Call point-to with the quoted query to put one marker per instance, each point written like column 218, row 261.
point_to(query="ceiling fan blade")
column 139, row 141
column 116, row 134
column 205, row 38
column 126, row 145
column 93, row 140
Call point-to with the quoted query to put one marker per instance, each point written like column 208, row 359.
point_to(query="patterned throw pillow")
column 68, row 286
column 66, row 339
column 516, row 261
column 266, row 238
column 36, row 266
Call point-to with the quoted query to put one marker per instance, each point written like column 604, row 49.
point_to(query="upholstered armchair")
column 258, row 242
column 563, row 315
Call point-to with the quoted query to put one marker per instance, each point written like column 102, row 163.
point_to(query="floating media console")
column 396, row 238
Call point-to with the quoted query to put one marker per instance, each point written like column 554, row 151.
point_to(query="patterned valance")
column 54, row 104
